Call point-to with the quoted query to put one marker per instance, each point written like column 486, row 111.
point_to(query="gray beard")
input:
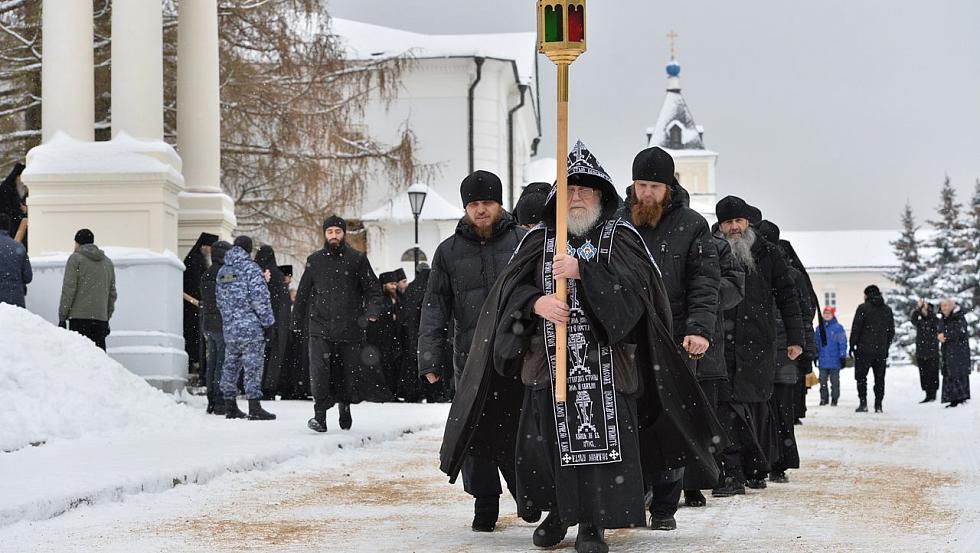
column 742, row 249
column 579, row 226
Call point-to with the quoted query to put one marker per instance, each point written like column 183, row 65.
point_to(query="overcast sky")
column 827, row 115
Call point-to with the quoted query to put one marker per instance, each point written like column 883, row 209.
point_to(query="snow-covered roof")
column 675, row 114
column 844, row 250
column 399, row 210
column 368, row 41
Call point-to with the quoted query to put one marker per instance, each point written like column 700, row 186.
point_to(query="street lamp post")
column 561, row 37
column 416, row 198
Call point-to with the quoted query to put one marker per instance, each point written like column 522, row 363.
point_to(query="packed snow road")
column 905, row 480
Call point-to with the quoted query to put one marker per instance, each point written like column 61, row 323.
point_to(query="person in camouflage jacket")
column 246, row 313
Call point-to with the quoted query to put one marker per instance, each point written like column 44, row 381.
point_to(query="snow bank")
column 57, row 385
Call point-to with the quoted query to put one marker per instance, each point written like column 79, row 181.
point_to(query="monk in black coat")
column 580, row 460
column 197, row 260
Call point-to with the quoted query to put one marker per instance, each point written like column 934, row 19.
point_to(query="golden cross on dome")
column 672, row 36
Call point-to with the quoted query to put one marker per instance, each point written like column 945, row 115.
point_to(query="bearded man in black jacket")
column 337, row 297
column 680, row 241
column 750, row 351
column 464, row 269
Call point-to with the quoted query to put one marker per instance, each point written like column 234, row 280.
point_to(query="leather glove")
column 843, row 362
column 63, row 324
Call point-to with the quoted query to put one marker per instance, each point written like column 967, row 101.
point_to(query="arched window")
column 409, row 255
column 675, row 136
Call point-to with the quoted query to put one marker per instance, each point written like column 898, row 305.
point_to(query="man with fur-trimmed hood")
column 579, row 460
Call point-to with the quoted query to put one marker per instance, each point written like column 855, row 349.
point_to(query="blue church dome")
column 673, row 68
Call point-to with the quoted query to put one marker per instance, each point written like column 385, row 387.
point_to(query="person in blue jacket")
column 247, row 319
column 832, row 351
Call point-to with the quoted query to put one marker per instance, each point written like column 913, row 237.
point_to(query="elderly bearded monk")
column 750, row 349
column 580, row 460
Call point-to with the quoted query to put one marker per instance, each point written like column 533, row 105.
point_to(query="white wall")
column 849, row 287
column 433, row 102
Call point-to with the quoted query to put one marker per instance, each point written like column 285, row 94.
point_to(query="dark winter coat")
column 786, row 368
column 195, row 264
column 337, row 295
column 685, row 251
column 210, row 314
column 275, row 355
column 956, row 348
column 731, row 291
column 89, row 287
column 243, row 298
column 10, row 200
column 873, row 328
column 834, row 353
column 485, row 412
column 15, row 271
column 750, row 343
column 926, row 329
column 464, row 270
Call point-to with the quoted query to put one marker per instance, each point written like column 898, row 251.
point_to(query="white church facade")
column 471, row 102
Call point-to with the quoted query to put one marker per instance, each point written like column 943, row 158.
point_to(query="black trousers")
column 343, row 372
column 92, row 329
column 929, row 374
column 481, row 478
column 861, row 366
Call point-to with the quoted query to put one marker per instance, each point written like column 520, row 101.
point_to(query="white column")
column 67, row 73
column 137, row 68
column 198, row 100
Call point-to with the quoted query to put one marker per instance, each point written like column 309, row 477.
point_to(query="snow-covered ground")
column 905, row 480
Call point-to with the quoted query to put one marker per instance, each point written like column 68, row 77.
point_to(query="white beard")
column 581, row 224
column 742, row 249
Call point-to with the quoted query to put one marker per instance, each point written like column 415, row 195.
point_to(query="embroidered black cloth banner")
column 587, row 424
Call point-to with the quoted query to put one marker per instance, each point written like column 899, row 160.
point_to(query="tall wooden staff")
column 561, row 37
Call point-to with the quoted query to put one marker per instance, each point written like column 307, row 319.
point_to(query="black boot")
column 485, row 511
column 862, row 407
column 591, row 539
column 662, row 521
column 694, row 498
column 345, row 418
column 317, row 424
column 257, row 413
column 878, row 406
column 232, row 411
column 210, row 408
column 779, row 477
column 550, row 532
column 219, row 408
column 729, row 487
column 756, row 483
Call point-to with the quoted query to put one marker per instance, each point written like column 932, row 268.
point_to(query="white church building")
column 471, row 102
column 841, row 263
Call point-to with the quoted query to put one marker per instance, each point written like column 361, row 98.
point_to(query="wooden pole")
column 561, row 231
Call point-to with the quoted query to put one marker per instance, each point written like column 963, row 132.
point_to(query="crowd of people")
column 688, row 345
column 341, row 337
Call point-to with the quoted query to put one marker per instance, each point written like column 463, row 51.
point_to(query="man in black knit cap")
column 750, row 350
column 338, row 294
column 680, row 241
column 464, row 269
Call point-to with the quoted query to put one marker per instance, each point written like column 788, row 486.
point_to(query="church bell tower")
column 676, row 132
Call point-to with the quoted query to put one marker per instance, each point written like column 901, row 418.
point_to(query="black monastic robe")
column 625, row 298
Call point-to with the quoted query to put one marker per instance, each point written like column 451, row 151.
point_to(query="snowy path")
column 906, row 480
